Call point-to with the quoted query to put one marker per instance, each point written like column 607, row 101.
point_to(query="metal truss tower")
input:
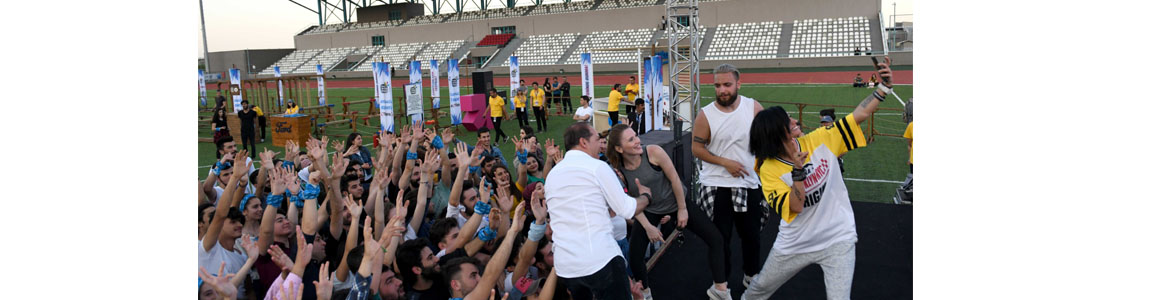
column 682, row 31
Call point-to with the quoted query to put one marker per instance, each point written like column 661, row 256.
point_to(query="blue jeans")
column 625, row 245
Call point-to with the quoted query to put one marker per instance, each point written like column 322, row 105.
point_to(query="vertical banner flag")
column 648, row 94
column 202, row 90
column 514, row 80
column 453, row 89
column 279, row 87
column 414, row 104
column 320, row 86
column 384, row 95
column 435, row 84
column 234, row 75
column 587, row 75
column 663, row 120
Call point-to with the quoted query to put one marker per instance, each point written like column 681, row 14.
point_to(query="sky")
column 267, row 24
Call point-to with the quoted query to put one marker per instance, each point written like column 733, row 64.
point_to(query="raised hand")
column 291, row 181
column 884, row 71
column 338, row 147
column 448, row 135
column 355, row 208
column 353, row 149
column 517, row 142
column 276, row 180
column 530, row 144
column 550, row 147
column 539, row 207
column 266, row 159
column 399, row 211
column 461, row 156
column 800, row 157
column 315, row 177
column 240, row 165
column 316, row 151
column 290, row 295
column 430, row 134
column 290, row 150
column 416, row 131
column 324, row 283
column 494, row 219
column 518, row 218
column 372, row 245
column 339, row 164
column 504, row 197
column 279, row 258
column 221, row 283
column 250, row 247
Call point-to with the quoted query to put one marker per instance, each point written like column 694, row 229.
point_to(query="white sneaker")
column 716, row 294
column 747, row 280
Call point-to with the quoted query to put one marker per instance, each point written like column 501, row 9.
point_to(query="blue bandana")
column 486, row 234
column 482, row 208
column 437, row 142
column 275, row 200
column 310, row 191
column 244, row 202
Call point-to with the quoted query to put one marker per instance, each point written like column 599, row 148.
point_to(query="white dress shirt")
column 581, row 191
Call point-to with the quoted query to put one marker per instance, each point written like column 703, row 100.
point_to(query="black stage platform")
column 884, row 267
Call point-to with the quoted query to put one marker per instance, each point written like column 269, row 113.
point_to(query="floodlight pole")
column 206, row 57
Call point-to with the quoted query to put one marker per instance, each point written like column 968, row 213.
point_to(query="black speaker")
column 481, row 82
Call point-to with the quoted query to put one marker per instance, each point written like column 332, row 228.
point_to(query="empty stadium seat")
column 543, row 49
column 746, row 41
column 611, row 39
column 495, row 40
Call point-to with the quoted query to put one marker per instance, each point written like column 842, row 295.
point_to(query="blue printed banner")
column 384, row 95
column 202, row 90
column 279, row 87
column 513, row 80
column 234, row 75
column 414, row 104
column 435, row 84
column 453, row 90
column 320, row 86
column 586, row 75
column 661, row 120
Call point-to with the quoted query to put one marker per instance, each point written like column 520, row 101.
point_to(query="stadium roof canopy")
column 345, row 11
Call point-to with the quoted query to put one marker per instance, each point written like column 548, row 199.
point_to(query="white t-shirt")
column 210, row 260
column 827, row 216
column 457, row 213
column 584, row 111
column 619, row 227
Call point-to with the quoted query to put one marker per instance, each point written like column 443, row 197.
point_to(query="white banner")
column 320, row 86
column 202, row 90
column 586, row 75
column 663, row 120
column 435, row 84
column 279, row 87
column 384, row 95
column 647, row 93
column 234, row 75
column 453, row 90
column 513, row 80
column 414, row 106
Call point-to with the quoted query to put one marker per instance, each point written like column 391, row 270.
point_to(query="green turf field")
column 884, row 159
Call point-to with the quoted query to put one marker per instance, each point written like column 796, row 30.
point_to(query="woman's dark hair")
column 511, row 187
column 349, row 140
column 613, row 141
column 616, row 85
column 768, row 132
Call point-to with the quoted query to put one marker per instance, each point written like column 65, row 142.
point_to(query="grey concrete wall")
column 711, row 14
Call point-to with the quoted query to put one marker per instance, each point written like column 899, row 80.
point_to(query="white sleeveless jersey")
column 729, row 139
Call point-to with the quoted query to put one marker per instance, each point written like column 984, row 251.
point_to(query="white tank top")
column 729, row 139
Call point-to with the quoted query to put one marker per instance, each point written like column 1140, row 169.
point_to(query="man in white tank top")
column 730, row 190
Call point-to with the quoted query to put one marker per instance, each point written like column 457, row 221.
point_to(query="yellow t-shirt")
column 910, row 135
column 293, row 110
column 497, row 106
column 520, row 100
column 537, row 96
column 632, row 91
column 615, row 98
column 843, row 136
column 258, row 111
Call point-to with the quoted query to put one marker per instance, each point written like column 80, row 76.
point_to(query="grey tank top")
column 653, row 177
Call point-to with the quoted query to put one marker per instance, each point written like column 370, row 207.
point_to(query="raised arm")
column 211, row 237
column 376, row 195
column 457, row 186
column 550, row 285
column 468, row 231
column 355, row 210
column 528, row 251
column 796, row 195
column 415, row 137
column 213, row 176
column 447, row 137
column 551, row 156
column 871, row 102
column 495, row 266
column 309, row 195
column 268, row 222
column 521, row 169
column 424, row 188
column 335, row 200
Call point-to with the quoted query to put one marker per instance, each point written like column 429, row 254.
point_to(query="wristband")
column 486, row 234
column 482, row 208
column 296, row 200
column 411, row 155
column 437, row 142
column 473, row 169
column 522, row 156
column 289, row 165
column 879, row 96
column 310, row 191
column 244, row 202
column 647, row 196
column 885, row 89
column 797, row 173
column 275, row 200
column 536, row 231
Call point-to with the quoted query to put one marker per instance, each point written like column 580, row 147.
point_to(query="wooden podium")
column 284, row 128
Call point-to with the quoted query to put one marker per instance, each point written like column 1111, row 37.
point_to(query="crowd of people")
column 426, row 216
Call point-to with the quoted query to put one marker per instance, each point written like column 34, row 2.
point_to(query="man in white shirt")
column 582, row 194
column 584, row 113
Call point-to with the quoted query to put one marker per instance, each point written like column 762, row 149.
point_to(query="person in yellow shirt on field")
column 631, row 93
column 291, row 108
column 496, row 108
column 536, row 93
column 615, row 99
column 263, row 122
column 520, row 98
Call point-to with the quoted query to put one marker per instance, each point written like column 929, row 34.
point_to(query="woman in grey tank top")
column 650, row 166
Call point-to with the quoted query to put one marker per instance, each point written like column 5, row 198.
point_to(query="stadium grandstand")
column 549, row 37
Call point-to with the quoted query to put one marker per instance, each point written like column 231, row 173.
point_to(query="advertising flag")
column 586, row 75
column 435, row 84
column 414, row 106
column 234, row 75
column 514, row 80
column 663, row 120
column 202, row 90
column 383, row 95
column 279, row 87
column 320, row 86
column 453, row 89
